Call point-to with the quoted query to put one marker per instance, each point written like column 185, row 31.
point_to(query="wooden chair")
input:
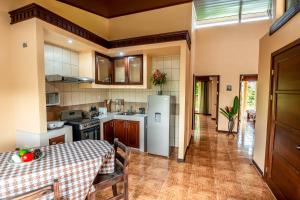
column 103, row 181
column 41, row 192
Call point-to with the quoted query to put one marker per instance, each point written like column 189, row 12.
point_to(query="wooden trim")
column 109, row 16
column 36, row 11
column 289, row 14
column 152, row 39
column 257, row 168
column 222, row 131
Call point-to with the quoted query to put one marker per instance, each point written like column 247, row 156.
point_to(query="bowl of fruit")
column 25, row 156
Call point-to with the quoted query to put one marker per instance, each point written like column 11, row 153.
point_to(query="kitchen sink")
column 126, row 113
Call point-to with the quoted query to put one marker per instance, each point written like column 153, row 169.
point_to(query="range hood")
column 68, row 79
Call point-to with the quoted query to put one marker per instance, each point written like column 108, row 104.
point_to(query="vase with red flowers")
column 158, row 79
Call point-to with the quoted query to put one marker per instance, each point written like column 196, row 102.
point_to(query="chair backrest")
column 121, row 159
column 41, row 192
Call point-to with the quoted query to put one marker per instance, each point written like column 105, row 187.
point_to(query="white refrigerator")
column 158, row 128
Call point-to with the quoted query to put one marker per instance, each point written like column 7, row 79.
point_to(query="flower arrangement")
column 159, row 78
column 231, row 113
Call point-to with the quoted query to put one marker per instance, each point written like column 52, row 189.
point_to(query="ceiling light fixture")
column 70, row 41
column 121, row 54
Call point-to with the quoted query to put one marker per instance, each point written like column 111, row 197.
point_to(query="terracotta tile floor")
column 216, row 167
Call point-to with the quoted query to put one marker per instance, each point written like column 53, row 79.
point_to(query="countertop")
column 115, row 115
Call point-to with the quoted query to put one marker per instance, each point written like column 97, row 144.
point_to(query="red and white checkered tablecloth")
column 74, row 164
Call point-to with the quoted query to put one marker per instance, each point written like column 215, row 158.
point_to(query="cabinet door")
column 135, row 70
column 103, row 70
column 120, row 71
column 133, row 134
column 120, row 130
column 57, row 140
column 108, row 131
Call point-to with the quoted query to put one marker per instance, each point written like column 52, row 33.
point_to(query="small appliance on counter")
column 102, row 111
column 83, row 128
column 142, row 111
column 55, row 124
column 52, row 99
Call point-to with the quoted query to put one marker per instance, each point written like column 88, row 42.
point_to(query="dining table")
column 73, row 164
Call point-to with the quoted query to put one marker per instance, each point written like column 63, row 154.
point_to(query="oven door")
column 90, row 133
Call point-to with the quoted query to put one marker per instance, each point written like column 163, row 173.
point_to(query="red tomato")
column 27, row 157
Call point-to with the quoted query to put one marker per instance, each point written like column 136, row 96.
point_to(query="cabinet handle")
column 298, row 147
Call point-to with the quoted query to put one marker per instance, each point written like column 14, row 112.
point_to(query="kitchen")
column 109, row 105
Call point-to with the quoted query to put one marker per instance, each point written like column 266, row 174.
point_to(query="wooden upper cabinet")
column 120, row 76
column 118, row 71
column 135, row 69
column 103, row 70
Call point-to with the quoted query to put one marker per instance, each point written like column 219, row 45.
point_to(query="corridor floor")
column 216, row 167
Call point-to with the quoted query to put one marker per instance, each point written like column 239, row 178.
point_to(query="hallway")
column 216, row 167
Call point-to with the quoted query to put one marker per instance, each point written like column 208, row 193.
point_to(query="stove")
column 83, row 128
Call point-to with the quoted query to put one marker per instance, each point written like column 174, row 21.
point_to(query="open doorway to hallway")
column 248, row 90
column 205, row 99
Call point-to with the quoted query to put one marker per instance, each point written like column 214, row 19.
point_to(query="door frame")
column 270, row 130
column 248, row 77
column 205, row 78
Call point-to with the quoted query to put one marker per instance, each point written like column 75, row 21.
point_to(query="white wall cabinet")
column 60, row 61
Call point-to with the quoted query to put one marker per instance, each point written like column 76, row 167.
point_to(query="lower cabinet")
column 108, row 131
column 128, row 132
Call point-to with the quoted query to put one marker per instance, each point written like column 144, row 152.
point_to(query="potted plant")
column 231, row 113
column 159, row 78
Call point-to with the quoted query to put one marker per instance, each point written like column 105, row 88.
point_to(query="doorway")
column 247, row 98
column 205, row 99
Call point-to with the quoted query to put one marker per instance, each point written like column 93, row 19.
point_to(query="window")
column 216, row 12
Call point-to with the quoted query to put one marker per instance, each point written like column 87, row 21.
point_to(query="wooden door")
column 108, row 131
column 283, row 164
column 133, row 134
column 120, row 130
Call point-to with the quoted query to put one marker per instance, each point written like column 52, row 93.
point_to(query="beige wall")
column 174, row 18
column 7, row 129
column 90, row 21
column 268, row 44
column 228, row 51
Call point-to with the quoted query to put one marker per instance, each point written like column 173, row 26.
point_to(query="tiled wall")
column 66, row 62
column 71, row 94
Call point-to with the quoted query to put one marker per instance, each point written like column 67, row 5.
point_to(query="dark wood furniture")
column 57, row 140
column 128, row 132
column 42, row 192
column 126, row 70
column 282, row 169
column 108, row 131
column 101, row 182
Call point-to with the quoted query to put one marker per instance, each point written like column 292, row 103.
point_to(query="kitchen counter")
column 141, row 118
